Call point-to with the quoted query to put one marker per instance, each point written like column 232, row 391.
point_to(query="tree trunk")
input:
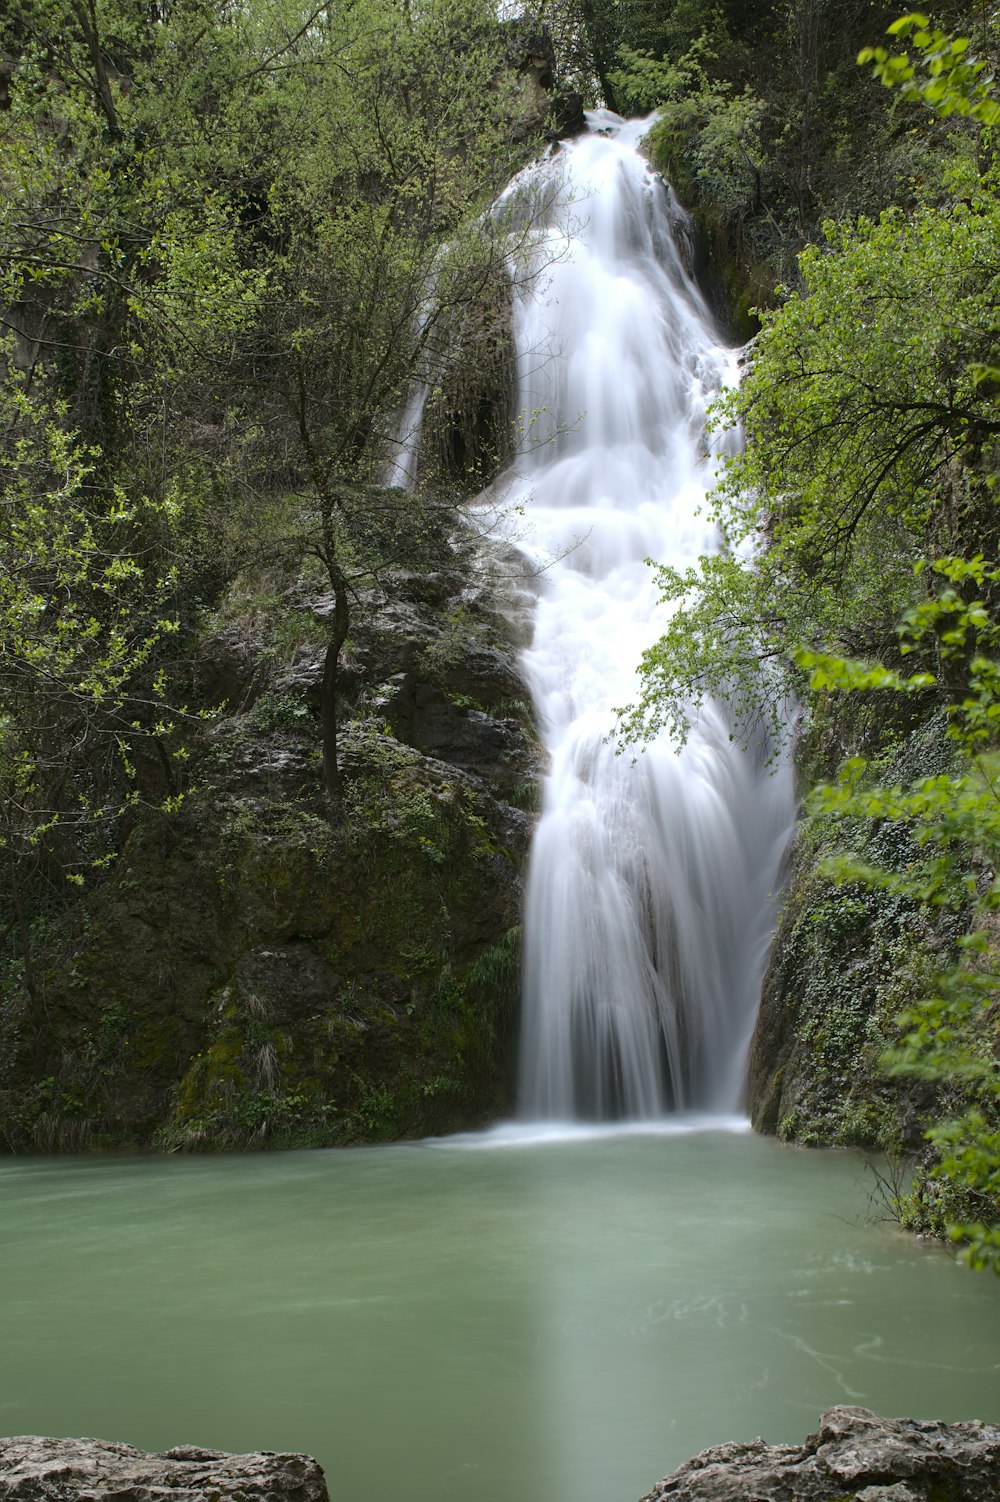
column 328, row 696
column 23, row 930
column 86, row 15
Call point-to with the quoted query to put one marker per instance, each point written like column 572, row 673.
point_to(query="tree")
column 870, row 442
column 264, row 221
column 866, row 497
column 955, row 81
column 111, row 246
column 766, row 127
column 379, row 241
column 85, row 613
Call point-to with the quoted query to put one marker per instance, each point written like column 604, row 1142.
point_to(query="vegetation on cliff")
column 235, row 240
column 859, row 524
column 248, row 696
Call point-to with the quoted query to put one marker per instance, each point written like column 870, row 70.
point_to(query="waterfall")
column 649, row 900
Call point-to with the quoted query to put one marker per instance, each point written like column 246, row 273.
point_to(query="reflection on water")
column 540, row 1320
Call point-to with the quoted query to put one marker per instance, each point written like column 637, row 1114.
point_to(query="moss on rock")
column 254, row 973
column 847, row 960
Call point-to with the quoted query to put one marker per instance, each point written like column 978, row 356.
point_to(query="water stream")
column 649, row 900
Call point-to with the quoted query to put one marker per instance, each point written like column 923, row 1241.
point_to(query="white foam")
column 650, row 891
column 513, row 1134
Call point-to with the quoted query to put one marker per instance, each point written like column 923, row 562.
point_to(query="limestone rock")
column 254, row 972
column 846, row 960
column 36, row 1469
column 855, row 1456
column 531, row 55
column 567, row 114
column 229, row 668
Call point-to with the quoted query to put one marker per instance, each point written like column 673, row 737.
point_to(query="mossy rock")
column 846, row 963
column 280, row 977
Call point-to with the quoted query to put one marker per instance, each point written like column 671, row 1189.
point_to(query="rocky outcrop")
column 35, row 1469
column 847, row 961
column 545, row 104
column 854, row 1456
column 256, row 972
column 842, row 966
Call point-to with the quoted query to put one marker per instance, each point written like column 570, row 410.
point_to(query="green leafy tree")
column 866, row 495
column 247, row 232
column 86, row 609
column 946, row 76
column 766, row 127
column 118, row 259
column 950, row 1036
column 381, row 216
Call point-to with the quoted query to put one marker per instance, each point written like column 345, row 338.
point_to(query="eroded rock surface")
column 253, row 971
column 36, row 1469
column 847, row 962
column 854, row 1456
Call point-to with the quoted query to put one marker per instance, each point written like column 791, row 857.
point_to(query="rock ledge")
column 35, row 1469
column 855, row 1456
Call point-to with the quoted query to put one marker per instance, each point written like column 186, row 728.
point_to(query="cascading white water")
column 649, row 895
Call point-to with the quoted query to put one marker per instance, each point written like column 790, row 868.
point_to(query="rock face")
column 545, row 104
column 255, row 973
column 855, row 1456
column 846, row 962
column 33, row 1469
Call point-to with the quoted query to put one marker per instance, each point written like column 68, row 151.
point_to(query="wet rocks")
column 35, row 1469
column 854, row 1456
column 847, row 962
column 255, row 971
column 531, row 56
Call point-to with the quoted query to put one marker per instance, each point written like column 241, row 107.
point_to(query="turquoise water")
column 562, row 1319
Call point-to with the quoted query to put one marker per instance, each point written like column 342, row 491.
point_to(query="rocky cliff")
column 848, row 958
column 254, row 972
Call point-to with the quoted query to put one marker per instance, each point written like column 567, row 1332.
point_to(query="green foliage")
column 869, row 444
column 708, row 134
column 767, row 128
column 86, row 613
column 239, row 1092
column 717, row 644
column 276, row 711
column 865, row 497
column 955, row 81
column 390, row 797
column 660, row 29
column 493, row 984
column 954, row 823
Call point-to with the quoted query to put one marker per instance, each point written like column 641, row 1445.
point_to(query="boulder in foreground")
column 34, row 1469
column 855, row 1456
